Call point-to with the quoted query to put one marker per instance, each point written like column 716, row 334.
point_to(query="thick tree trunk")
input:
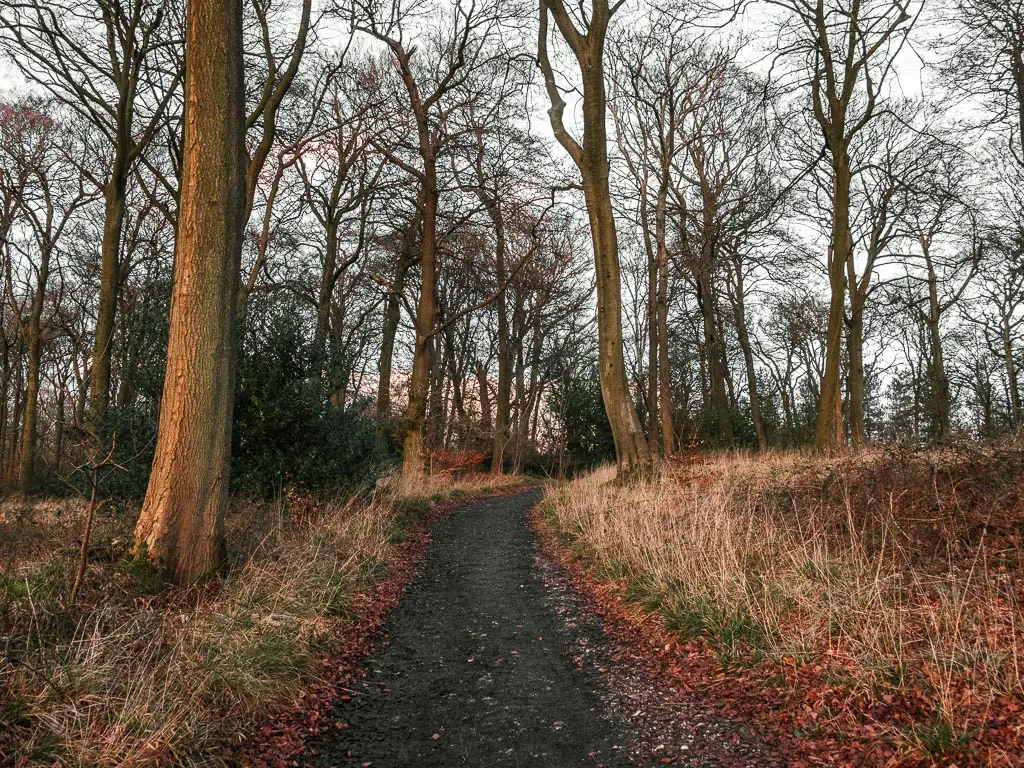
column 718, row 398
column 181, row 523
column 632, row 454
column 940, row 384
column 591, row 157
column 828, row 434
column 426, row 312
column 631, row 449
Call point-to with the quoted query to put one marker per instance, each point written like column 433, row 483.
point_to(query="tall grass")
column 145, row 676
column 874, row 563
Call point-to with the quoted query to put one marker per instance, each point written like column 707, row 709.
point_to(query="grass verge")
column 139, row 673
column 879, row 593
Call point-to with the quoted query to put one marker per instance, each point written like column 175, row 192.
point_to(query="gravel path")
column 479, row 667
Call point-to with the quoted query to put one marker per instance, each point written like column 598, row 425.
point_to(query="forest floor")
column 865, row 609
column 139, row 673
column 786, row 610
column 491, row 659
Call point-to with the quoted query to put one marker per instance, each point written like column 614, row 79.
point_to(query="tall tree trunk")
column 664, row 372
column 631, row 449
column 828, row 433
column 591, row 157
column 1011, row 374
column 940, row 384
column 33, row 348
column 181, row 526
column 426, row 312
column 855, row 349
column 503, row 395
column 323, row 297
column 730, row 385
column 653, row 421
column 110, row 276
column 743, row 333
column 392, row 315
column 718, row 397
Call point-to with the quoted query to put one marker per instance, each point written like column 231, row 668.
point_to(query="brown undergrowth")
column 139, row 673
column 865, row 609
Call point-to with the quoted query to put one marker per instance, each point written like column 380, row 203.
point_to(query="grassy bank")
column 138, row 673
column 884, row 590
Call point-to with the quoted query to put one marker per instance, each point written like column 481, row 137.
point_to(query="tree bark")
column 426, row 312
column 392, row 315
column 324, row 293
column 591, row 157
column 33, row 349
column 1011, row 374
column 664, row 372
column 110, row 277
column 743, row 333
column 828, row 434
column 855, row 349
column 940, row 383
column 181, row 524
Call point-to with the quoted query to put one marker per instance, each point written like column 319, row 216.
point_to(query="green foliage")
column 939, row 736
column 286, row 430
column 588, row 434
column 132, row 432
column 407, row 513
column 143, row 573
column 45, row 584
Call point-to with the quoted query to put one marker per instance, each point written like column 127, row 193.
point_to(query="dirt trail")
column 477, row 667
column 492, row 659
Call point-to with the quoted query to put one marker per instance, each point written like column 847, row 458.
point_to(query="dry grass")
column 892, row 570
column 138, row 674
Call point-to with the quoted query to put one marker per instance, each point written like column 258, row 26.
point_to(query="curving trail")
column 478, row 667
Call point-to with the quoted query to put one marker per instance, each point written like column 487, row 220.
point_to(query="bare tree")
column 846, row 53
column 37, row 145
column 115, row 64
column 456, row 48
column 591, row 158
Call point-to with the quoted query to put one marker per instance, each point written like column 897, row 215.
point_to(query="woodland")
column 743, row 281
